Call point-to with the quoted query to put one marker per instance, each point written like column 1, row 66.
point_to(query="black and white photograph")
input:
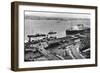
column 53, row 36
column 56, row 36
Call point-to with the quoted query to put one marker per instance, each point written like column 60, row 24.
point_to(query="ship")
column 75, row 45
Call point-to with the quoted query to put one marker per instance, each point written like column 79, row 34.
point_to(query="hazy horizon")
column 44, row 24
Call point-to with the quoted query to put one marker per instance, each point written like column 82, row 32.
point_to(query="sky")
column 44, row 22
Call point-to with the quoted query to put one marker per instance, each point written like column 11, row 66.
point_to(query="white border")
column 23, row 64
